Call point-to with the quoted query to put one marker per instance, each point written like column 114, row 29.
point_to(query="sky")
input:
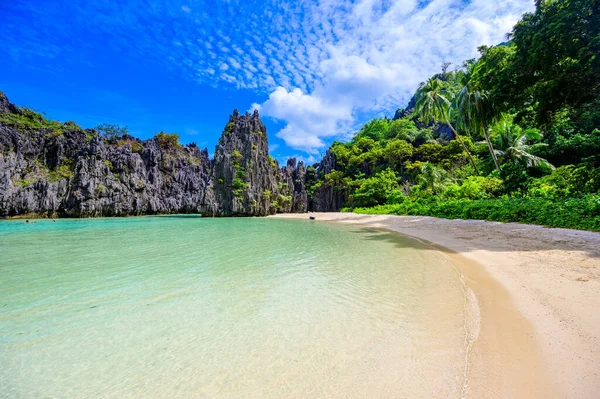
column 316, row 70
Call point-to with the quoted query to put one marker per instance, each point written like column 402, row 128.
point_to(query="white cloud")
column 309, row 118
column 234, row 63
column 371, row 59
column 327, row 65
column 254, row 107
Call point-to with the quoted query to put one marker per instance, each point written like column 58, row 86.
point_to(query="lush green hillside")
column 511, row 136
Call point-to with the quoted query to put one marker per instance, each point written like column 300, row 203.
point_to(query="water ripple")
column 193, row 307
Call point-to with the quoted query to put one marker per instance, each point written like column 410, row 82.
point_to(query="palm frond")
column 527, row 159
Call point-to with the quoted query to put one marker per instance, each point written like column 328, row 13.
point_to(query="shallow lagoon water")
column 180, row 306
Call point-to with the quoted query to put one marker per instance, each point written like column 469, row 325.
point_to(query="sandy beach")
column 538, row 292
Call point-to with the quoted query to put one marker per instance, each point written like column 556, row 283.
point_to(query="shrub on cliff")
column 27, row 119
column 112, row 131
column 167, row 140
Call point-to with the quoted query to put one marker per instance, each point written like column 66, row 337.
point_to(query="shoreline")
column 537, row 289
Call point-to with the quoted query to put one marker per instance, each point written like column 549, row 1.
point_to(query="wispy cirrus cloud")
column 322, row 65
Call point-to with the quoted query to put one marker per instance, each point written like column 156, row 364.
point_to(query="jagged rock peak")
column 63, row 170
column 244, row 175
column 7, row 106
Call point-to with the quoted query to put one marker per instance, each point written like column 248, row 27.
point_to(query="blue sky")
column 316, row 70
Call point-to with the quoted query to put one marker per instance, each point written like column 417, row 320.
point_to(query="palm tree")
column 512, row 144
column 433, row 105
column 432, row 177
column 476, row 111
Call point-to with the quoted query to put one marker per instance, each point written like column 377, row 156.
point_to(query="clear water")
column 162, row 307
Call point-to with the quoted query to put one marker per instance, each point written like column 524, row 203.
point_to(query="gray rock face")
column 244, row 176
column 247, row 181
column 328, row 197
column 76, row 173
column 299, row 195
column 410, row 107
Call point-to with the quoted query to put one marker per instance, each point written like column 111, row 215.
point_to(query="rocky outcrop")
column 52, row 169
column 408, row 111
column 328, row 196
column 293, row 181
column 245, row 176
column 6, row 106
column 77, row 174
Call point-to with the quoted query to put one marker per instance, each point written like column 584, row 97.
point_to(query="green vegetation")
column 90, row 135
column 237, row 157
column 112, row 131
column 284, row 200
column 229, row 128
column 27, row 119
column 25, row 182
column 574, row 213
column 61, row 172
column 136, row 146
column 70, row 125
column 167, row 140
column 273, row 163
column 513, row 136
column 239, row 184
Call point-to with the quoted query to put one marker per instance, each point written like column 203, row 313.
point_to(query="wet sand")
column 538, row 292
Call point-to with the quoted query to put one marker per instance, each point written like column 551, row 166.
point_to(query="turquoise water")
column 196, row 307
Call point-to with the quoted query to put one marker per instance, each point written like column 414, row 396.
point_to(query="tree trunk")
column 489, row 143
column 464, row 146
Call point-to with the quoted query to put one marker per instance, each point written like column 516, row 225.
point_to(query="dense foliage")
column 26, row 119
column 512, row 136
column 573, row 213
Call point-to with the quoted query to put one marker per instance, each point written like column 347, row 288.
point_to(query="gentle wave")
column 193, row 307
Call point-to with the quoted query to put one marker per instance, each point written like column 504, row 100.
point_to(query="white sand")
column 539, row 294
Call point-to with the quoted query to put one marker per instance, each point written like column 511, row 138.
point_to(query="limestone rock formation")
column 327, row 197
column 299, row 195
column 77, row 174
column 53, row 169
column 245, row 177
column 247, row 181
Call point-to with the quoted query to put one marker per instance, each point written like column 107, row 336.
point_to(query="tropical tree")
column 432, row 178
column 556, row 57
column 112, row 131
column 475, row 111
column 433, row 105
column 396, row 152
column 512, row 144
column 377, row 189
